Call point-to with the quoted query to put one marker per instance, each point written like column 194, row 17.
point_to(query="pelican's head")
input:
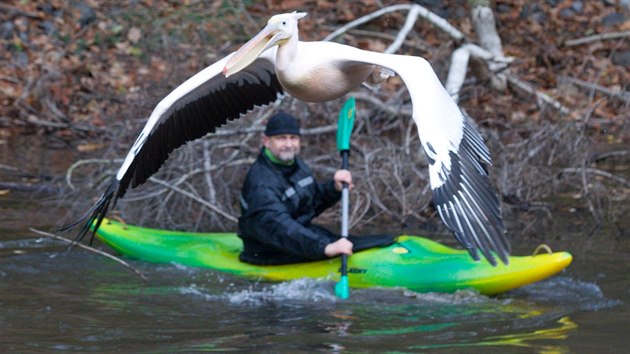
column 278, row 30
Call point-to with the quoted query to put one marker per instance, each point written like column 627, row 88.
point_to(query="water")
column 54, row 301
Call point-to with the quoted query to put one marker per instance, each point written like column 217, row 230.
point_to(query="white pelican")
column 275, row 62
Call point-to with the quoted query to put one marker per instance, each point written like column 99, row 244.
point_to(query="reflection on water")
column 391, row 318
column 529, row 339
column 52, row 300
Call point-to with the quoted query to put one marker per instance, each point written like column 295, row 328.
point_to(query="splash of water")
column 195, row 291
column 467, row 296
column 297, row 290
column 308, row 290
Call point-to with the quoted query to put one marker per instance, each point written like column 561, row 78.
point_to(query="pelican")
column 275, row 62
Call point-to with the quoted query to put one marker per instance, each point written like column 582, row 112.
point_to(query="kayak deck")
column 412, row 262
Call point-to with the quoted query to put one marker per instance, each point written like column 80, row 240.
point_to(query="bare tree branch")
column 542, row 97
column 619, row 94
column 597, row 172
column 195, row 198
column 596, row 38
column 438, row 21
column 91, row 249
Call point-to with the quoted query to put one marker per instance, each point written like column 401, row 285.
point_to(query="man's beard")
column 288, row 154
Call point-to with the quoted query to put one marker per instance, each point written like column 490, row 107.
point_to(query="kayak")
column 412, row 262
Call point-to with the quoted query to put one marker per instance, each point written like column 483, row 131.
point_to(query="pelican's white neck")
column 287, row 52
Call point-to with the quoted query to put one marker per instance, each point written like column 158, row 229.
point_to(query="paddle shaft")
column 345, row 206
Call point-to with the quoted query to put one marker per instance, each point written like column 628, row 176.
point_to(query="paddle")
column 344, row 130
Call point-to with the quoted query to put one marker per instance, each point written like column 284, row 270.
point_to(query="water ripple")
column 586, row 295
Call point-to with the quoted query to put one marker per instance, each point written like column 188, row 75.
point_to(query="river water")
column 55, row 301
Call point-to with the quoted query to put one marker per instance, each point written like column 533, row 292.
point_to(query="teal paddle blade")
column 344, row 127
column 342, row 288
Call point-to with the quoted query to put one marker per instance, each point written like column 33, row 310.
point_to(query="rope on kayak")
column 541, row 248
column 120, row 220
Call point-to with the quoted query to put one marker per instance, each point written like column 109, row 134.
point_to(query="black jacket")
column 277, row 206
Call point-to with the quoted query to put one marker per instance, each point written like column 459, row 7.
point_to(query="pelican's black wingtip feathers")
column 467, row 203
column 93, row 218
column 198, row 106
column 201, row 110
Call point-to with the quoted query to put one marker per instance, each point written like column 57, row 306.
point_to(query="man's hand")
column 341, row 246
column 342, row 176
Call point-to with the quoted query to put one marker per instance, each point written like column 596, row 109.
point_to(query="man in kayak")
column 279, row 199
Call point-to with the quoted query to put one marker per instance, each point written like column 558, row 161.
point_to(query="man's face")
column 284, row 146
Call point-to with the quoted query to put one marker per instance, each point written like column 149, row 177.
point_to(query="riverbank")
column 78, row 80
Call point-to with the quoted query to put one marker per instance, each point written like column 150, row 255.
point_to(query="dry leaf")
column 89, row 147
column 134, row 35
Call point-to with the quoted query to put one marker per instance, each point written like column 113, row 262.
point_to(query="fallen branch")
column 385, row 36
column 485, row 27
column 8, row 167
column 494, row 68
column 45, row 123
column 596, row 38
column 458, row 68
column 195, row 198
column 457, row 72
column 619, row 94
column 260, row 129
column 389, row 108
column 542, row 98
column 71, row 169
column 407, row 27
column 32, row 119
column 438, row 21
column 9, row 79
column 587, row 195
column 19, row 12
column 611, row 154
column 91, row 249
column 30, row 187
column 598, row 172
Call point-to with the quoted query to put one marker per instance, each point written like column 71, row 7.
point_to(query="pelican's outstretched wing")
column 195, row 108
column 457, row 155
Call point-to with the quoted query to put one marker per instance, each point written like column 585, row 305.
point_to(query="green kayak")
column 412, row 262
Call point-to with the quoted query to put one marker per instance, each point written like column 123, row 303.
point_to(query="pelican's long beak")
column 250, row 51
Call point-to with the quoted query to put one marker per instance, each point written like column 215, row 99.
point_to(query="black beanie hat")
column 282, row 123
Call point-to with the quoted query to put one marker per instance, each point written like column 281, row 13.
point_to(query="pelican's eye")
column 284, row 23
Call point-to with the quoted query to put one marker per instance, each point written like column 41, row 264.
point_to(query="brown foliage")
column 90, row 71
